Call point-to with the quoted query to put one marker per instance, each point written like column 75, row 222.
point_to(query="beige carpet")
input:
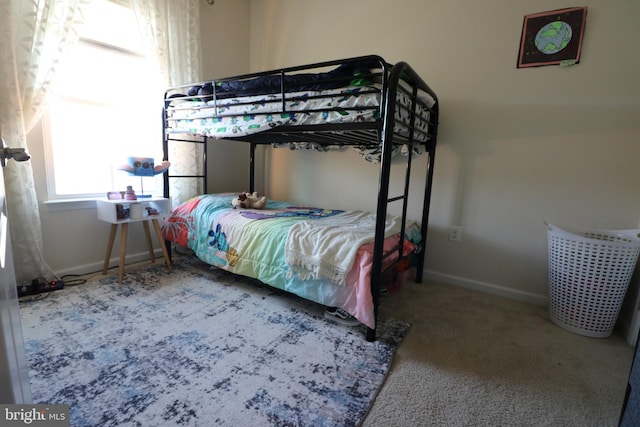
column 472, row 359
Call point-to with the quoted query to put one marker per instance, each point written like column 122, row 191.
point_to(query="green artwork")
column 552, row 38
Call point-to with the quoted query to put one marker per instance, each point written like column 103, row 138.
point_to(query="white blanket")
column 326, row 248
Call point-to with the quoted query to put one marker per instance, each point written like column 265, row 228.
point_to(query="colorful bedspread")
column 252, row 243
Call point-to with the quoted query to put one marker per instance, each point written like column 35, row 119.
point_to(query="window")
column 105, row 106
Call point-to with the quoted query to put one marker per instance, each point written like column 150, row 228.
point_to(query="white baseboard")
column 96, row 267
column 485, row 287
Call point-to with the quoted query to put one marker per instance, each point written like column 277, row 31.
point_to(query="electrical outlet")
column 455, row 233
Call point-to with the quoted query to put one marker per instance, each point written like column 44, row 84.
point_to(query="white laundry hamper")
column 589, row 273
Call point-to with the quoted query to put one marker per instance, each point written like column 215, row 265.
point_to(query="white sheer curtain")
column 172, row 29
column 34, row 37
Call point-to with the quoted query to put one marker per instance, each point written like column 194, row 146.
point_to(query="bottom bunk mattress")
column 323, row 255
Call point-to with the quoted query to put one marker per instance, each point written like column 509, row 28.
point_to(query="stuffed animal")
column 246, row 200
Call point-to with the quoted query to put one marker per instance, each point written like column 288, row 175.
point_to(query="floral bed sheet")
column 235, row 117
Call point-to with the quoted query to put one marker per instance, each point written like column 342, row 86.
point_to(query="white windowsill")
column 59, row 205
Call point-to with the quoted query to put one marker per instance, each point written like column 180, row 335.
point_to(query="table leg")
column 123, row 249
column 156, row 226
column 145, row 224
column 112, row 238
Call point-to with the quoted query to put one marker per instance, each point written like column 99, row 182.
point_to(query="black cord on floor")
column 43, row 295
column 66, row 282
column 73, row 282
column 33, row 298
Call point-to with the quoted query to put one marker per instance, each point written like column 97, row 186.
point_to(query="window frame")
column 53, row 197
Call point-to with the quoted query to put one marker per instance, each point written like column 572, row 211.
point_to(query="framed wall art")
column 552, row 38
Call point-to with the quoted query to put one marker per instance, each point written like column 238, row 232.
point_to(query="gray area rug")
column 200, row 347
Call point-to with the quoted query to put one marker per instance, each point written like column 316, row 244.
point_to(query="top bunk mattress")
column 349, row 97
column 233, row 117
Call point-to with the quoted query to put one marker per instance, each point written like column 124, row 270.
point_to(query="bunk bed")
column 381, row 110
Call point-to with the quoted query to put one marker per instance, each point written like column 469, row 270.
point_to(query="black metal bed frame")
column 393, row 78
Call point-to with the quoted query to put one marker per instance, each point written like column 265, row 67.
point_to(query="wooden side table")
column 108, row 211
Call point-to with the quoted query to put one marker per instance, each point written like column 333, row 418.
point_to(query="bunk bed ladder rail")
column 399, row 70
column 431, row 152
column 203, row 175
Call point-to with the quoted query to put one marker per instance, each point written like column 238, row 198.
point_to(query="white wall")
column 225, row 36
column 516, row 146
